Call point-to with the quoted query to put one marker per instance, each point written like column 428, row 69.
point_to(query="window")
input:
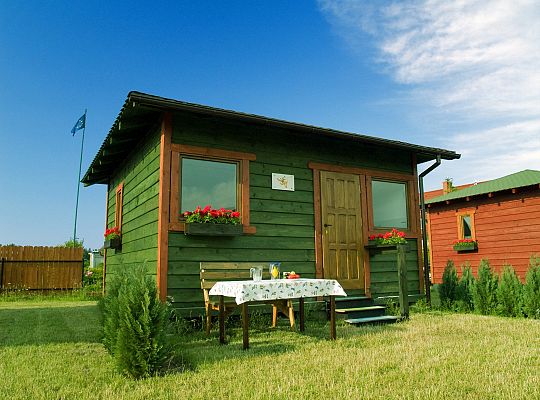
column 201, row 176
column 389, row 201
column 118, row 206
column 465, row 225
column 208, row 182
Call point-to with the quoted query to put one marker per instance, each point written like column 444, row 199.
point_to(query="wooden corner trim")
column 164, row 203
column 105, row 251
column 318, row 223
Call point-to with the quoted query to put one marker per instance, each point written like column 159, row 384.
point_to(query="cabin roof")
column 524, row 178
column 141, row 112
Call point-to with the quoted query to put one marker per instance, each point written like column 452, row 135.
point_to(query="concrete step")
column 382, row 319
column 353, row 301
column 413, row 298
column 359, row 312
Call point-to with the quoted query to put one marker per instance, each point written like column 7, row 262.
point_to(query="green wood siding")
column 284, row 220
column 140, row 175
column 384, row 276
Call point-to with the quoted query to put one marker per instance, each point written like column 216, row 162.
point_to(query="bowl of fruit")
column 293, row 275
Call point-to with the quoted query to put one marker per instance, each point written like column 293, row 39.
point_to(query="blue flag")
column 80, row 124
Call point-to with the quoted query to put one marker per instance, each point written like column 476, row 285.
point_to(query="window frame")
column 407, row 205
column 176, row 221
column 119, row 206
column 460, row 215
column 238, row 205
column 411, row 231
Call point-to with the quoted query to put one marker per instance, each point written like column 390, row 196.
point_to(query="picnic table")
column 248, row 291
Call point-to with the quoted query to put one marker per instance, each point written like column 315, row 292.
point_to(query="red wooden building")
column 502, row 216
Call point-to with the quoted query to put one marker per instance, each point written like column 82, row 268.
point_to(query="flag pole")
column 79, row 183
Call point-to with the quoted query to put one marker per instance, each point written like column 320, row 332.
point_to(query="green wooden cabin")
column 309, row 197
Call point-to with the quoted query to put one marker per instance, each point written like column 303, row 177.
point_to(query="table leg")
column 332, row 318
column 245, row 326
column 221, row 320
column 301, row 313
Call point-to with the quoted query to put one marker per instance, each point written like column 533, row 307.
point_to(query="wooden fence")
column 27, row 267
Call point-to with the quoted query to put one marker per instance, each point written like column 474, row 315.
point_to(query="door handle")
column 327, row 225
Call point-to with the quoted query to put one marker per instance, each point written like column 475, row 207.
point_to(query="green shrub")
column 464, row 289
column 485, row 289
column 447, row 289
column 531, row 290
column 93, row 281
column 109, row 307
column 135, row 322
column 421, row 306
column 509, row 293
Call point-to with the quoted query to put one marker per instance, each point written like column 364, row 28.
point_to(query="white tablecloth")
column 244, row 291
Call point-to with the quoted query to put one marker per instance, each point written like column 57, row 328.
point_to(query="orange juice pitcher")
column 274, row 270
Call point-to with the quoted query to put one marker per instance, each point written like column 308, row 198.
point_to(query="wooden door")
column 342, row 229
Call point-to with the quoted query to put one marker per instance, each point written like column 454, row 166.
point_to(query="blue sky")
column 457, row 75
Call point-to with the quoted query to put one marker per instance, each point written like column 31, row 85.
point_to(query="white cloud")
column 475, row 61
column 492, row 153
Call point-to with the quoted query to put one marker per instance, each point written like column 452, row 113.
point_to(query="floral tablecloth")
column 244, row 291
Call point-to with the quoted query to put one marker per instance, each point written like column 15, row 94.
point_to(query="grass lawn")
column 52, row 350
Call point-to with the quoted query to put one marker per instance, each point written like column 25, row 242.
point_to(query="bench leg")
column 221, row 320
column 245, row 326
column 332, row 318
column 291, row 313
column 208, row 308
column 286, row 307
column 301, row 313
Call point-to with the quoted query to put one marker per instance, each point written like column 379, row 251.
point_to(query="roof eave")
column 177, row 105
column 161, row 104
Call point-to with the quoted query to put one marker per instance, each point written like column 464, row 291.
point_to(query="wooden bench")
column 212, row 272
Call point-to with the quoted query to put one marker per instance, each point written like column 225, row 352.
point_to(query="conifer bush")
column 447, row 289
column 531, row 290
column 464, row 289
column 109, row 310
column 134, row 323
column 509, row 293
column 485, row 289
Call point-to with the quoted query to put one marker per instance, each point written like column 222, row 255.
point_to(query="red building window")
column 465, row 225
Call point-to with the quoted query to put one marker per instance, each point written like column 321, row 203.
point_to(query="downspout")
column 424, row 233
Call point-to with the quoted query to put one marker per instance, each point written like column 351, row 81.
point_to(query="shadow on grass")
column 47, row 324
column 266, row 341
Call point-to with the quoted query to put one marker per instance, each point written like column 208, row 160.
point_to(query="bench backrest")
column 212, row 272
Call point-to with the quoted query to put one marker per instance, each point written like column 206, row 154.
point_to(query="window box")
column 115, row 243
column 373, row 247
column 197, row 229
column 207, row 172
column 464, row 247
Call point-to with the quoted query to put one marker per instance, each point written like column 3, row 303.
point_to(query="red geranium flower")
column 392, row 237
column 213, row 216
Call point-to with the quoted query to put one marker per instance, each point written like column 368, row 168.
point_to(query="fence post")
column 402, row 276
column 2, row 274
column 82, row 271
